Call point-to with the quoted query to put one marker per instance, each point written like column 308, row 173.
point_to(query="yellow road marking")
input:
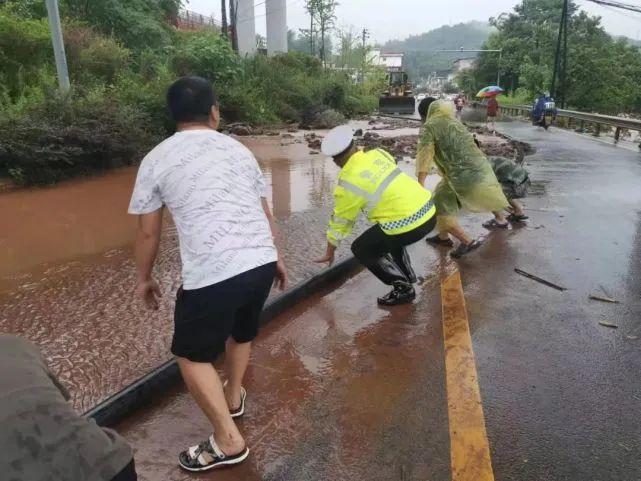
column 469, row 447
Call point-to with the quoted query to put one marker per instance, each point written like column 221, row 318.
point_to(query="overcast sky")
column 388, row 19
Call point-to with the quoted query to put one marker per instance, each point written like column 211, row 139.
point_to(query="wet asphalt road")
column 561, row 393
column 342, row 390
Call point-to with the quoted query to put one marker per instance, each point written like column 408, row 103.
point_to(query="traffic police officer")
column 402, row 210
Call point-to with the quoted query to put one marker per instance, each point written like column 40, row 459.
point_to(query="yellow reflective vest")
column 372, row 182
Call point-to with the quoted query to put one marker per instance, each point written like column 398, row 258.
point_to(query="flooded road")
column 340, row 389
column 67, row 273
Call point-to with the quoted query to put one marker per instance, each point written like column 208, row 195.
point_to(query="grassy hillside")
column 631, row 41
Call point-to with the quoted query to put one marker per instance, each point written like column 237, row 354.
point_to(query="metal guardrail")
column 193, row 20
column 583, row 118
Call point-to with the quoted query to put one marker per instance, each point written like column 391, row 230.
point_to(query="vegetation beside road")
column 122, row 56
column 603, row 72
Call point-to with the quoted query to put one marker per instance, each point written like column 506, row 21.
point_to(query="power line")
column 620, row 12
column 290, row 4
column 247, row 10
column 621, row 5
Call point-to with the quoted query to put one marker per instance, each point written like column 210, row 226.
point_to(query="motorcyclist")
column 544, row 105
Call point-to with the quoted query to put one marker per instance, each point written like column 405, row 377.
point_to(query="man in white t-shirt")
column 213, row 188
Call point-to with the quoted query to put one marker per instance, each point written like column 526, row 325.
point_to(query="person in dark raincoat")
column 515, row 181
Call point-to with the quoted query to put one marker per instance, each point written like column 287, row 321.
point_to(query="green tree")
column 208, row 55
column 138, row 24
column 466, row 81
column 25, row 48
column 346, row 42
column 295, row 43
column 602, row 72
column 323, row 13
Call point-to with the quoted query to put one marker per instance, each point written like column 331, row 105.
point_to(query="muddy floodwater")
column 67, row 274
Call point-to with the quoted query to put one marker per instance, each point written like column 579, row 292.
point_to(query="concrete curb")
column 141, row 392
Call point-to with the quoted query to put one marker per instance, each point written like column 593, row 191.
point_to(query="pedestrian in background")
column 492, row 113
column 41, row 436
column 459, row 102
column 213, row 188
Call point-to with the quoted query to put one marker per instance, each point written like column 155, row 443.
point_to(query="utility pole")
column 233, row 14
column 558, row 63
column 365, row 36
column 223, row 14
column 311, row 28
column 58, row 45
column 565, row 54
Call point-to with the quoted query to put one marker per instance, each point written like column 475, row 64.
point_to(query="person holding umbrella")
column 490, row 93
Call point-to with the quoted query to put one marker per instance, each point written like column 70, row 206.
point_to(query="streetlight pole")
column 58, row 45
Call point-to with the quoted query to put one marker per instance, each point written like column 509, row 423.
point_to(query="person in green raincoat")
column 468, row 180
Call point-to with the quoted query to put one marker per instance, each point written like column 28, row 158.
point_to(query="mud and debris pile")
column 400, row 147
column 321, row 117
column 242, row 129
column 497, row 145
column 403, row 147
column 314, row 142
column 391, row 123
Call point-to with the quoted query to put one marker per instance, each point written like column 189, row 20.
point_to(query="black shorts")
column 128, row 473
column 205, row 318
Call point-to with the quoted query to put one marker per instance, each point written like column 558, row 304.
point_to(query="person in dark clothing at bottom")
column 402, row 210
column 387, row 258
column 42, row 437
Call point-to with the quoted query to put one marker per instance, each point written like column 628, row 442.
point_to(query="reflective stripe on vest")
column 372, row 199
column 341, row 221
column 337, row 235
column 397, row 224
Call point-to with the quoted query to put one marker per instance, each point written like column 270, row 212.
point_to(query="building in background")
column 463, row 64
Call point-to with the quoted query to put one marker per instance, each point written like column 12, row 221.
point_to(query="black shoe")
column 401, row 294
column 463, row 249
column 517, row 218
column 494, row 224
column 437, row 241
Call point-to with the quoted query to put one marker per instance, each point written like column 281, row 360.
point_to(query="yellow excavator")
column 399, row 97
